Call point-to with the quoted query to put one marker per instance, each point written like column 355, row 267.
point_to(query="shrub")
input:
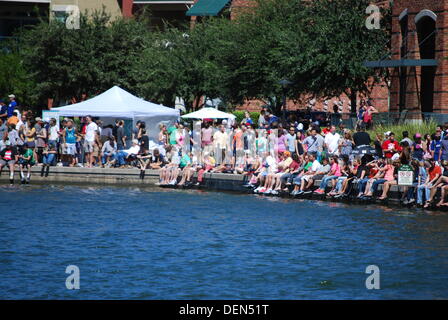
column 240, row 116
column 411, row 127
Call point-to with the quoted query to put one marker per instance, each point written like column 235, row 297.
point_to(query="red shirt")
column 434, row 171
column 387, row 147
column 293, row 166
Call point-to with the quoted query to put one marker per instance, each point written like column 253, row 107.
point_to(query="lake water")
column 132, row 243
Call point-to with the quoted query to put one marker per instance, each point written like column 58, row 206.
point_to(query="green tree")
column 66, row 63
column 178, row 63
column 318, row 45
column 15, row 78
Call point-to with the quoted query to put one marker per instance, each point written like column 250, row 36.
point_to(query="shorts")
column 96, row 150
column 7, row 162
column 25, row 162
column 31, row 144
column 88, row 146
column 70, row 149
column 307, row 178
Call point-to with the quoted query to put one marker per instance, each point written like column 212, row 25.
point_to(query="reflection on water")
column 151, row 243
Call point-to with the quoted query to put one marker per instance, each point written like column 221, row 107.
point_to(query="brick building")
column 419, row 43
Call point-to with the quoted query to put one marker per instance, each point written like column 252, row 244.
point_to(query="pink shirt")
column 281, row 143
column 207, row 135
column 389, row 175
column 336, row 169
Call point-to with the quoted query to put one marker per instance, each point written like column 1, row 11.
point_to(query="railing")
column 349, row 120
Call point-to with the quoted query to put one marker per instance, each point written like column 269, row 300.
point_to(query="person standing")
column 220, row 144
column 12, row 105
column 390, row 146
column 41, row 139
column 53, row 134
column 3, row 111
column 368, row 115
column 89, row 143
column 69, row 139
column 291, row 140
column 3, row 133
column 121, row 138
column 207, row 138
column 314, row 142
column 332, row 141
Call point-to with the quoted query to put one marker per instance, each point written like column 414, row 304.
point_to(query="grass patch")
column 412, row 128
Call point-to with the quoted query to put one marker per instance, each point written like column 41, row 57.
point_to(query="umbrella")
column 209, row 113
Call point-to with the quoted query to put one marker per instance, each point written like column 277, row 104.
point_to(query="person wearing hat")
column 12, row 105
column 122, row 155
column 390, row 146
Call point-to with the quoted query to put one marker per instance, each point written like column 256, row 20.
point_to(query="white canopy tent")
column 117, row 103
column 209, row 113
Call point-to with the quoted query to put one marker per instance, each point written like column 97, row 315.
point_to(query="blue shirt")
column 3, row 110
column 11, row 108
column 436, row 145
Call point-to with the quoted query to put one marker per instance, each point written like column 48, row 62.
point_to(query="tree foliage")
column 318, row 45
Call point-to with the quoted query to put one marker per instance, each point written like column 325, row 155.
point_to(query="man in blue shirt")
column 12, row 105
column 3, row 111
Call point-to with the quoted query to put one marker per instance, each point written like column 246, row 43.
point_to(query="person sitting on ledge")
column 439, row 183
column 434, row 173
column 188, row 169
column 8, row 157
column 307, row 181
column 123, row 155
column 333, row 175
column 390, row 182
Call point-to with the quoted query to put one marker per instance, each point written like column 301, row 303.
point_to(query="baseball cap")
column 11, row 96
column 418, row 135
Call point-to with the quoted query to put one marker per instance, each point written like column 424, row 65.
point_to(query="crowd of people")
column 274, row 156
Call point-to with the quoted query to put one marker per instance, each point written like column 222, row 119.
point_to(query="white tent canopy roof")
column 116, row 103
column 209, row 113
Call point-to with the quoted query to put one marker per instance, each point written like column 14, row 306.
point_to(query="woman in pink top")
column 391, row 179
column 281, row 142
column 335, row 172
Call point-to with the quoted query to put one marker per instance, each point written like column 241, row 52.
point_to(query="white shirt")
column 90, row 132
column 19, row 124
column 132, row 150
column 332, row 142
column 220, row 139
column 316, row 166
column 270, row 160
column 53, row 133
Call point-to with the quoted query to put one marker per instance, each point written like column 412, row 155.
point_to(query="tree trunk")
column 353, row 102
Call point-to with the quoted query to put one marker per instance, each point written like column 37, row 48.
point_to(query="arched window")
column 425, row 21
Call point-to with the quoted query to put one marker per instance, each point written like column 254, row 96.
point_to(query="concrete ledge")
column 67, row 175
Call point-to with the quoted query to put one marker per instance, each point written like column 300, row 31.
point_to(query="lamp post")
column 284, row 83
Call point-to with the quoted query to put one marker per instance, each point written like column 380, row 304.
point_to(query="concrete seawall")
column 126, row 177
column 110, row 176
